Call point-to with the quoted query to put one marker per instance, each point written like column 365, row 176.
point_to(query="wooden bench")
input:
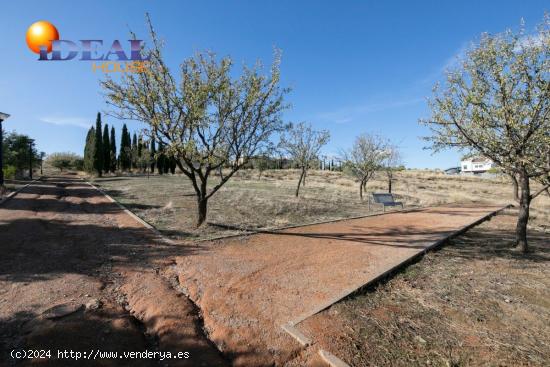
column 384, row 199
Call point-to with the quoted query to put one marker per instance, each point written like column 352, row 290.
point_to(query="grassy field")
column 168, row 202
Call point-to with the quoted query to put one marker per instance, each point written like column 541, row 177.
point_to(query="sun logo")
column 41, row 34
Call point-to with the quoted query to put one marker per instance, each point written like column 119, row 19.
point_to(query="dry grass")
column 168, row 202
column 476, row 302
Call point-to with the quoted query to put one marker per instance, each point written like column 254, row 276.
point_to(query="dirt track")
column 63, row 243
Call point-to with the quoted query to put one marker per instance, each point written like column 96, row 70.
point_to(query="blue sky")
column 354, row 66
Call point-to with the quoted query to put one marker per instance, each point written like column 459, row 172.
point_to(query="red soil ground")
column 64, row 244
column 247, row 287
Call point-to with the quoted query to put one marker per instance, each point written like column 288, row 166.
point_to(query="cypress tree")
column 89, row 149
column 106, row 150
column 113, row 150
column 153, row 151
column 133, row 156
column 166, row 163
column 173, row 165
column 139, row 146
column 160, row 160
column 124, row 159
column 98, row 152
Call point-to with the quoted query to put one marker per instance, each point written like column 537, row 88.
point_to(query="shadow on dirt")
column 96, row 334
column 480, row 243
column 42, row 236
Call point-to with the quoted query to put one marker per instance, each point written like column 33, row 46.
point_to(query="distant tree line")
column 135, row 153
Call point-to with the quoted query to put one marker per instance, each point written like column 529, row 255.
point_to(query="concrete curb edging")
column 401, row 265
column 132, row 214
column 290, row 327
column 331, row 359
column 296, row 334
column 248, row 231
column 12, row 194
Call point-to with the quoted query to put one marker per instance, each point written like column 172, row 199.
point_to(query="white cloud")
column 351, row 113
column 67, row 120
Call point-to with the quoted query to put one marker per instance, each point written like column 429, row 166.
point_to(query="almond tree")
column 366, row 156
column 206, row 119
column 302, row 144
column 390, row 163
column 497, row 105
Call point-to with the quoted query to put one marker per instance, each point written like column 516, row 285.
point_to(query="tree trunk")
column 361, row 190
column 202, row 209
column 389, row 184
column 300, row 181
column 304, row 180
column 523, row 216
column 515, row 187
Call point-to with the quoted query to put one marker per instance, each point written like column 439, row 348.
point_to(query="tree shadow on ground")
column 482, row 243
column 91, row 332
column 52, row 247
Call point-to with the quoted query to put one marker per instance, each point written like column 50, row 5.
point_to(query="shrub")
column 9, row 172
column 65, row 160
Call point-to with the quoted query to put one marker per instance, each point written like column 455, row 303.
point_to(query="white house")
column 476, row 165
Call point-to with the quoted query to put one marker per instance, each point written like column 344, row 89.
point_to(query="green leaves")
column 497, row 102
column 204, row 117
column 302, row 143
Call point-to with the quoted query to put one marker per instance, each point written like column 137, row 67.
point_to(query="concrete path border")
column 401, row 265
column 12, row 194
column 132, row 214
column 290, row 327
column 331, row 359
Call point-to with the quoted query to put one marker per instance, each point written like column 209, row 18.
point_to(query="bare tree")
column 365, row 158
column 497, row 104
column 207, row 119
column 391, row 162
column 303, row 144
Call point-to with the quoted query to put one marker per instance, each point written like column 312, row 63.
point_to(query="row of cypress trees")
column 100, row 149
column 100, row 152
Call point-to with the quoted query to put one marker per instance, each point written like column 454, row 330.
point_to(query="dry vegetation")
column 168, row 202
column 476, row 302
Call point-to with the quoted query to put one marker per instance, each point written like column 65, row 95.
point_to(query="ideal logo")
column 43, row 39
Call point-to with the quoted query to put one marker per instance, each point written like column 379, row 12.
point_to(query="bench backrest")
column 383, row 198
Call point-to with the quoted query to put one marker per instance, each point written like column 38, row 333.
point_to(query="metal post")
column 42, row 155
column 3, row 116
column 30, row 159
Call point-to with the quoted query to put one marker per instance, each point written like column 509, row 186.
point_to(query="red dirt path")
column 64, row 243
column 248, row 287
